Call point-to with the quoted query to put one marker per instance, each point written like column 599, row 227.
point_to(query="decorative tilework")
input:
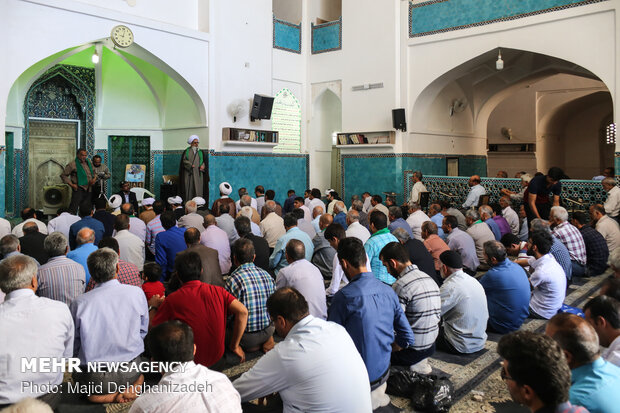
column 438, row 16
column 279, row 172
column 378, row 173
column 617, row 164
column 326, row 37
column 455, row 189
column 286, row 36
column 63, row 92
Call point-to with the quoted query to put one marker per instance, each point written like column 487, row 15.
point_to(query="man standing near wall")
column 79, row 175
column 194, row 171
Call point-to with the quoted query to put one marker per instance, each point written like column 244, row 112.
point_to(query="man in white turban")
column 224, row 204
column 194, row 171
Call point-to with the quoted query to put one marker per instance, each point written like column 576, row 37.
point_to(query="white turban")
column 175, row 200
column 115, row 201
column 199, row 201
column 148, row 201
column 192, row 139
column 225, row 188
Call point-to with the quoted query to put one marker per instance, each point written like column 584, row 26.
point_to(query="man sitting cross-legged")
column 173, row 341
column 463, row 308
column 252, row 286
column 304, row 277
column 315, row 368
column 507, row 290
column 101, row 334
column 370, row 311
column 204, row 308
column 418, row 294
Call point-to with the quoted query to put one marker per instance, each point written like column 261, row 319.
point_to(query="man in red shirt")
column 204, row 308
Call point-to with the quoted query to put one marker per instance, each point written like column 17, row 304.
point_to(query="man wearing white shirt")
column 5, row 227
column 62, row 222
column 355, row 229
column 612, row 204
column 272, row 226
column 476, row 190
column 192, row 219
column 416, row 218
column 510, row 214
column 243, row 191
column 137, row 226
column 28, row 215
column 30, row 327
column 366, row 198
column 334, row 234
column 608, row 227
column 603, row 313
column 259, row 191
column 131, row 247
column 548, row 279
column 302, row 275
column 418, row 186
column 315, row 368
column 173, row 341
column 298, row 203
column 317, row 212
column 315, row 199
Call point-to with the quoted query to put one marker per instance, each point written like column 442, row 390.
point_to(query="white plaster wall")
column 242, row 56
column 592, row 46
column 35, row 30
column 182, row 14
column 288, row 10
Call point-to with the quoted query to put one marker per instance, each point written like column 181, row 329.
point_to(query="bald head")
column 192, row 236
column 474, row 180
column 317, row 211
column 85, row 236
column 295, row 251
column 209, row 220
column 576, row 336
column 339, row 207
column 325, row 220
column 30, row 227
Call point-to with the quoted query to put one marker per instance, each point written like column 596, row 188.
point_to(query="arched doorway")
column 129, row 94
column 326, row 121
column 511, row 114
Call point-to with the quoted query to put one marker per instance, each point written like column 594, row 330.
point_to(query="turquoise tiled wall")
column 241, row 169
column 386, row 173
column 443, row 15
column 327, row 37
column 286, row 36
column 617, row 163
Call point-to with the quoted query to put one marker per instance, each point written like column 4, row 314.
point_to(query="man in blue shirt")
column 380, row 237
column 86, row 213
column 85, row 239
column 486, row 215
column 435, row 214
column 277, row 260
column 169, row 243
column 594, row 381
column 397, row 221
column 507, row 289
column 369, row 310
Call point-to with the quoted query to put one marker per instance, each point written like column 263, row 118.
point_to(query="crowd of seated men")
column 347, row 292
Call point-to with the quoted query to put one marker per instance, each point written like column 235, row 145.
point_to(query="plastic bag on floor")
column 428, row 393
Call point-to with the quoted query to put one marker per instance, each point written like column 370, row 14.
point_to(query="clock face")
column 122, row 36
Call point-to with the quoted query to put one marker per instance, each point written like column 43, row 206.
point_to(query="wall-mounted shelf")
column 247, row 143
column 252, row 137
column 368, row 145
column 366, row 139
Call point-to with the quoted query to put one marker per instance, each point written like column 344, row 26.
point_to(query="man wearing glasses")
column 536, row 372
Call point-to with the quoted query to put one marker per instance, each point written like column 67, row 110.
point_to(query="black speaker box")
column 398, row 119
column 261, row 107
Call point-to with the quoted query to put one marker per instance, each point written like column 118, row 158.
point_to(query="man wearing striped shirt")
column 61, row 278
column 252, row 286
column 419, row 297
column 154, row 227
column 570, row 237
